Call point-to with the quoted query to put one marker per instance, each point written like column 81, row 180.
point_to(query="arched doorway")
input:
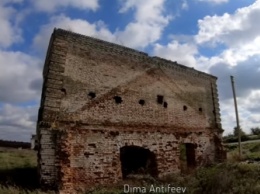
column 137, row 160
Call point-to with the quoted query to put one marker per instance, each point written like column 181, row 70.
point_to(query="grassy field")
column 18, row 175
column 250, row 151
column 18, row 172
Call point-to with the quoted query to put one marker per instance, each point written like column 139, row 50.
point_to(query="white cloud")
column 232, row 56
column 235, row 55
column 228, row 117
column 97, row 29
column 246, row 75
column 147, row 27
column 155, row 8
column 53, row 5
column 9, row 33
column 139, row 35
column 215, row 1
column 237, row 31
column 17, row 123
column 10, row 1
column 20, row 77
column 144, row 30
column 231, row 29
column 253, row 101
column 185, row 5
column 248, row 118
column 174, row 51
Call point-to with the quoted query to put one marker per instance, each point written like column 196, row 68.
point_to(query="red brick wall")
column 74, row 129
column 110, row 75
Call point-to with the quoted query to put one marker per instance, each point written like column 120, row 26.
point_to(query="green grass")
column 18, row 175
column 18, row 171
column 250, row 151
column 14, row 158
column 229, row 178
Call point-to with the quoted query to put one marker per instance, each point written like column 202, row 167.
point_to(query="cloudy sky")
column 221, row 37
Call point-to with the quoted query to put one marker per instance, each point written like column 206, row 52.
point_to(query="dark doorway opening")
column 187, row 157
column 137, row 160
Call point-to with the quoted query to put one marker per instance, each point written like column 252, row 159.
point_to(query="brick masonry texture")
column 98, row 97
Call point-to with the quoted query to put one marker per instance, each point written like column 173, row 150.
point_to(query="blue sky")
column 220, row 37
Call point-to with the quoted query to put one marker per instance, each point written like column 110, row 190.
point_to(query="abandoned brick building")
column 108, row 111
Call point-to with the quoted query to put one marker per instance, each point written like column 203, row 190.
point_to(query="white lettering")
column 129, row 189
column 183, row 189
column 178, row 189
column 139, row 189
column 158, row 190
column 154, row 189
column 126, row 188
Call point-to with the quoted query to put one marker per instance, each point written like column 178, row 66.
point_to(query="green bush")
column 229, row 178
column 255, row 131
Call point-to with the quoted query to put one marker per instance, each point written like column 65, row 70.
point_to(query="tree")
column 255, row 131
column 242, row 133
column 235, row 132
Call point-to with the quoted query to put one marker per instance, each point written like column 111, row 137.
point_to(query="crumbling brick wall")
column 98, row 97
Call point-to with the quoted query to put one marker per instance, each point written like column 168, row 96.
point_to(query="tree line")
column 15, row 144
column 254, row 135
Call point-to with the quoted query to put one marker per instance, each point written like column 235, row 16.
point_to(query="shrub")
column 255, row 131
